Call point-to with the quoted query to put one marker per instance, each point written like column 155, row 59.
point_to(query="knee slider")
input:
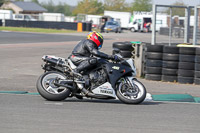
column 92, row 61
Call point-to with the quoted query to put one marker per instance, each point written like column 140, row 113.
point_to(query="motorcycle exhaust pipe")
column 57, row 62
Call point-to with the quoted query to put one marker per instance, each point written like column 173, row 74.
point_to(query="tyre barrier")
column 170, row 64
column 154, row 48
column 153, row 66
column 186, row 65
column 123, row 53
column 197, row 67
column 171, row 49
column 178, row 64
column 170, row 57
column 125, row 49
column 187, row 50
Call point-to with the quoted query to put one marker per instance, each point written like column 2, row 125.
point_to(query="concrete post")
column 4, row 20
column 139, row 59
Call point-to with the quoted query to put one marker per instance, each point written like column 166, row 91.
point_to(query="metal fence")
column 196, row 27
column 179, row 25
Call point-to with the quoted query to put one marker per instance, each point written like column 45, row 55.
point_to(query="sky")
column 161, row 2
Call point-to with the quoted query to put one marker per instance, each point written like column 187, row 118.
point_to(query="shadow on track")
column 109, row 101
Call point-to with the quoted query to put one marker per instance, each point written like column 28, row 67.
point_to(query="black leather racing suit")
column 82, row 55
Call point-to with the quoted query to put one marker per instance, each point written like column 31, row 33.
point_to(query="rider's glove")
column 115, row 58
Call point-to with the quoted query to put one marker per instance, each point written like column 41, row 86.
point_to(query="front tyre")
column 48, row 90
column 131, row 91
column 133, row 29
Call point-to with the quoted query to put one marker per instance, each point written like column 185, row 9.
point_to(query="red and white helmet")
column 96, row 37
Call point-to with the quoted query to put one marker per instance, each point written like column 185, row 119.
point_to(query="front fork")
column 131, row 87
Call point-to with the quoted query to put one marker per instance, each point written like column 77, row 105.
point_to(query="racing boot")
column 79, row 71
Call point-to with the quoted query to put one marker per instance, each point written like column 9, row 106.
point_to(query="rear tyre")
column 47, row 89
column 134, row 94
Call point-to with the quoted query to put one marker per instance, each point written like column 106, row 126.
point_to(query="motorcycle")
column 107, row 80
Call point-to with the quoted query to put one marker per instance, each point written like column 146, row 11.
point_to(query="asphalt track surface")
column 32, row 114
column 20, row 67
column 17, row 37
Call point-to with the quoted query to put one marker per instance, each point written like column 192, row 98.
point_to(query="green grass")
column 40, row 30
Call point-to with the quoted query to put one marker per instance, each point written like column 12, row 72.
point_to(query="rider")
column 83, row 54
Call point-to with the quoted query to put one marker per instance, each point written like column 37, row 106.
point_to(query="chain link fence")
column 197, row 26
column 177, row 24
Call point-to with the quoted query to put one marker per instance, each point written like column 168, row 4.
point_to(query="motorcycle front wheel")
column 48, row 90
column 131, row 91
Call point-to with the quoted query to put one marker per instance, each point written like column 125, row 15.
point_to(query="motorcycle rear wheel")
column 47, row 89
column 134, row 94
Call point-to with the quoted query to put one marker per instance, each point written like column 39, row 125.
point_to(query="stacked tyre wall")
column 172, row 64
column 154, row 62
column 186, row 65
column 197, row 67
column 125, row 49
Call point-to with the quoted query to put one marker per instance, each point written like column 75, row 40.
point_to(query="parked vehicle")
column 112, row 26
column 122, row 17
column 140, row 19
column 6, row 14
column 26, row 17
column 108, row 80
column 58, row 17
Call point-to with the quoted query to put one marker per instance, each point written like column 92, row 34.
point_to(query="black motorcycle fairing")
column 115, row 71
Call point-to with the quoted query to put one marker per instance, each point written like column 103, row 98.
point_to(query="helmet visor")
column 100, row 46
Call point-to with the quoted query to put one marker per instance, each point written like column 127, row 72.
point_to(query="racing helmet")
column 96, row 37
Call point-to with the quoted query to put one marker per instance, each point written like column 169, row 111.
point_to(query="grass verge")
column 40, row 30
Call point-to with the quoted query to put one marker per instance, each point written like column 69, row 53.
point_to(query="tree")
column 177, row 11
column 49, row 6
column 35, row 1
column 3, row 1
column 89, row 7
column 142, row 5
column 63, row 8
column 60, row 8
column 116, row 5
